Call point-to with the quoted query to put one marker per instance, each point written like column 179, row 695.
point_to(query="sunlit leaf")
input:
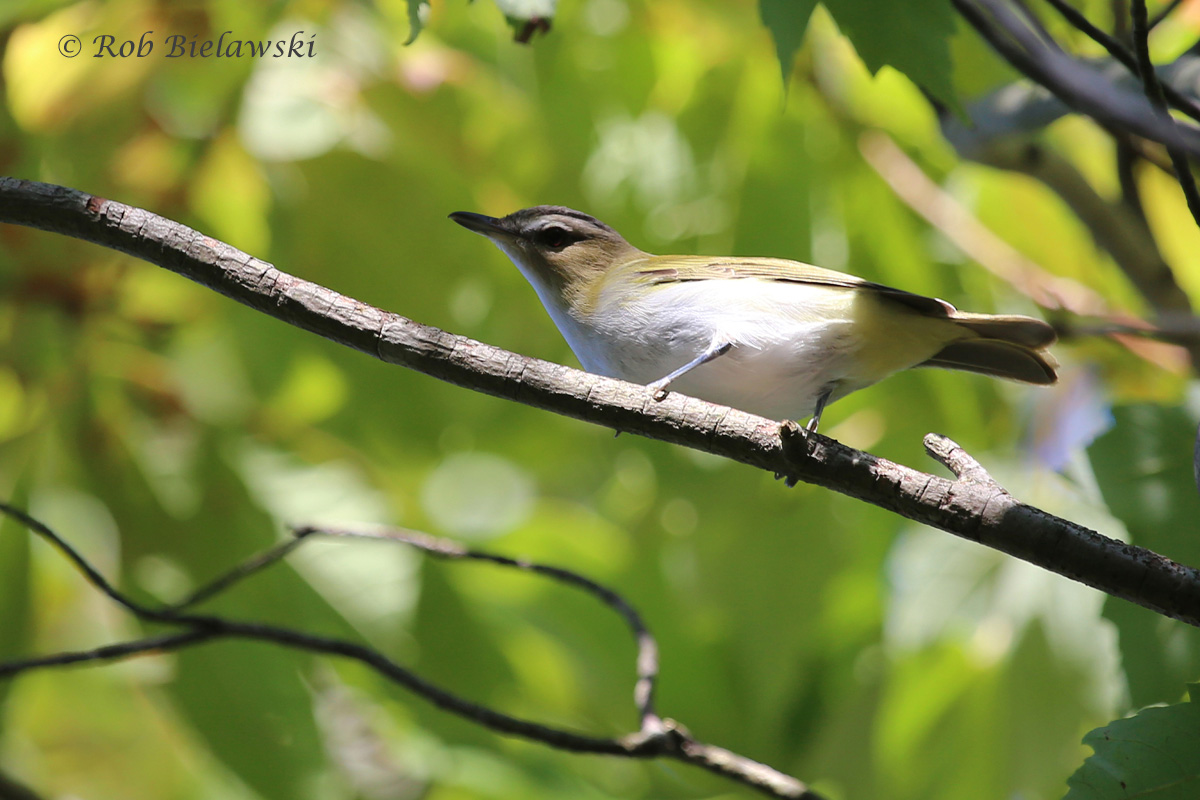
column 418, row 12
column 912, row 36
column 786, row 20
column 1154, row 755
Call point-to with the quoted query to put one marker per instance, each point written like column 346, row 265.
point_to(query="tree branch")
column 992, row 518
column 647, row 657
column 1122, row 54
column 1155, row 91
column 654, row 738
column 1073, row 82
column 1118, row 227
column 1177, row 334
column 1115, row 225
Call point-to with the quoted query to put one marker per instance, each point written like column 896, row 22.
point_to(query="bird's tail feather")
column 1011, row 328
column 1002, row 358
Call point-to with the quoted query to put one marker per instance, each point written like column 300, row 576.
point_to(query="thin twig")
column 238, row 573
column 1074, row 83
column 1120, row 18
column 1121, row 53
column 1126, row 161
column 1166, row 12
column 120, row 651
column 647, row 648
column 78, row 560
column 1154, row 91
column 1181, row 329
column 655, row 737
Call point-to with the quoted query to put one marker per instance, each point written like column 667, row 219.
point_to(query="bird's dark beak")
column 480, row 223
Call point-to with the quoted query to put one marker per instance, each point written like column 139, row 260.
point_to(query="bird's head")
column 556, row 248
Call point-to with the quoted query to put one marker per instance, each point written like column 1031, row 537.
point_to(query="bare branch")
column 1124, row 571
column 1121, row 53
column 960, row 462
column 1072, row 81
column 73, row 555
column 1118, row 228
column 1166, row 12
column 647, row 657
column 237, row 574
column 1155, row 91
column 654, row 738
column 110, row 652
column 1090, row 92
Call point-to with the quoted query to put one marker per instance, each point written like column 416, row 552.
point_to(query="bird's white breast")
column 790, row 340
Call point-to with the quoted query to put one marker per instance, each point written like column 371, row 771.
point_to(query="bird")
column 770, row 336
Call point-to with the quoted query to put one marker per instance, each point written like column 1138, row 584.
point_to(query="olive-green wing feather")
column 681, row 269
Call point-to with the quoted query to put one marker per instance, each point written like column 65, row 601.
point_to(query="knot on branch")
column 799, row 444
column 964, row 466
column 657, row 736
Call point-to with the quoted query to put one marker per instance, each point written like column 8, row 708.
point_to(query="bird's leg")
column 822, row 401
column 715, row 350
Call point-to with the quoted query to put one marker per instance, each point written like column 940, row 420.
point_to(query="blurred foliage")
column 169, row 433
column 1149, row 482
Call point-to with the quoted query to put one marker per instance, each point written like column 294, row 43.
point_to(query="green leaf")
column 418, row 12
column 1143, row 466
column 1153, row 755
column 912, row 36
column 250, row 704
column 786, row 20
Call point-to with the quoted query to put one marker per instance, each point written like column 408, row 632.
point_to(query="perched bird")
column 773, row 337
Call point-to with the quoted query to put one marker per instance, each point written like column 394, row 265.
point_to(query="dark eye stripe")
column 556, row 236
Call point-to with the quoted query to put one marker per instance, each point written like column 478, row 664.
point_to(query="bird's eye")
column 554, row 237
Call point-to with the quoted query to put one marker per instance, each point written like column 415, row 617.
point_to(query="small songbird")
column 769, row 336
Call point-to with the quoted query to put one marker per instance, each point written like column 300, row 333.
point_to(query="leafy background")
column 170, row 433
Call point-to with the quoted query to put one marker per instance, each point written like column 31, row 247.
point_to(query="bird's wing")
column 681, row 269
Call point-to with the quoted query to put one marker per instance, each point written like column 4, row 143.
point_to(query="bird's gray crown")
column 528, row 220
